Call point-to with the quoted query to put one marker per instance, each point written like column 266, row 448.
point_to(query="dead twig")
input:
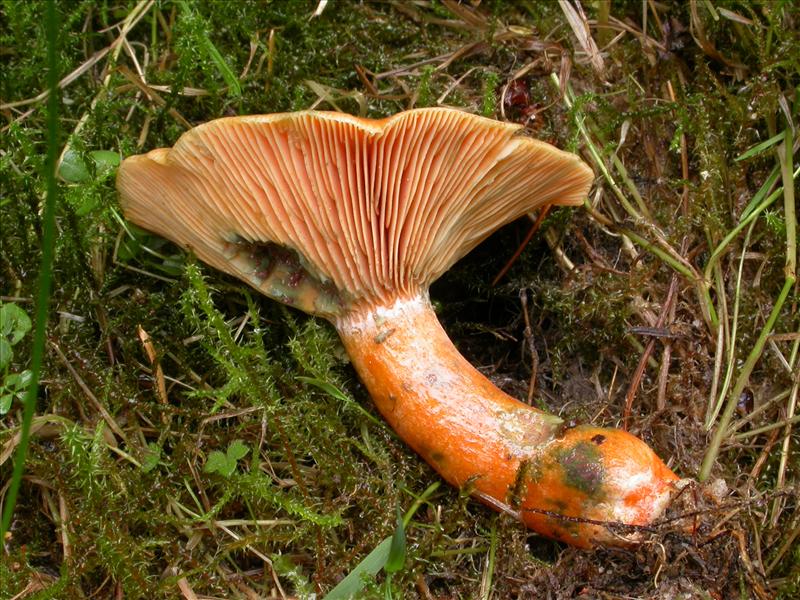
column 152, row 95
column 112, row 424
column 580, row 27
column 528, row 237
column 523, row 298
column 639, row 372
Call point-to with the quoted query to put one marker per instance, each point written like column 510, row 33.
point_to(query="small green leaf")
column 14, row 322
column 5, row 403
column 72, row 168
column 105, row 160
column 237, row 449
column 128, row 249
column 397, row 553
column 18, row 381
column 217, row 463
column 151, row 457
column 15, row 385
column 6, row 353
column 225, row 464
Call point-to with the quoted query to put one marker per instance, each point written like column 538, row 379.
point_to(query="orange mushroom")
column 352, row 220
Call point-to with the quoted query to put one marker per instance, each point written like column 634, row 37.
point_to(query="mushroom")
column 352, row 219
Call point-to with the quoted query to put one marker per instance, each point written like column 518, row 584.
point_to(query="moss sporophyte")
column 352, row 219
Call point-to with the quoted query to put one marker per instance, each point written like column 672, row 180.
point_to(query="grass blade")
column 759, row 148
column 397, row 552
column 335, row 392
column 372, row 563
column 744, row 375
column 46, row 264
column 215, row 56
column 787, row 166
column 228, row 75
column 351, row 586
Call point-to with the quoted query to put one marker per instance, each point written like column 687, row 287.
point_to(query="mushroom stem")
column 565, row 482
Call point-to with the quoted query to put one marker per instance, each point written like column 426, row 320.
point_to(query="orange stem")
column 564, row 481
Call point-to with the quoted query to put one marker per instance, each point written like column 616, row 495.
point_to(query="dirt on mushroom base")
column 124, row 524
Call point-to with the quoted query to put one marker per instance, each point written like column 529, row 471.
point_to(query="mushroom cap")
column 328, row 211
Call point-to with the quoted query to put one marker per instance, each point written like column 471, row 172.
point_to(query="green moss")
column 489, row 100
column 424, row 93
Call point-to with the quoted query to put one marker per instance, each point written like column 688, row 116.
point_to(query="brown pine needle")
column 534, row 228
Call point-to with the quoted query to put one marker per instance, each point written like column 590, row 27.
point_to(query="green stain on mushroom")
column 284, row 274
column 583, row 468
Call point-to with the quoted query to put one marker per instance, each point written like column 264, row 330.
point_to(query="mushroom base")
column 581, row 485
